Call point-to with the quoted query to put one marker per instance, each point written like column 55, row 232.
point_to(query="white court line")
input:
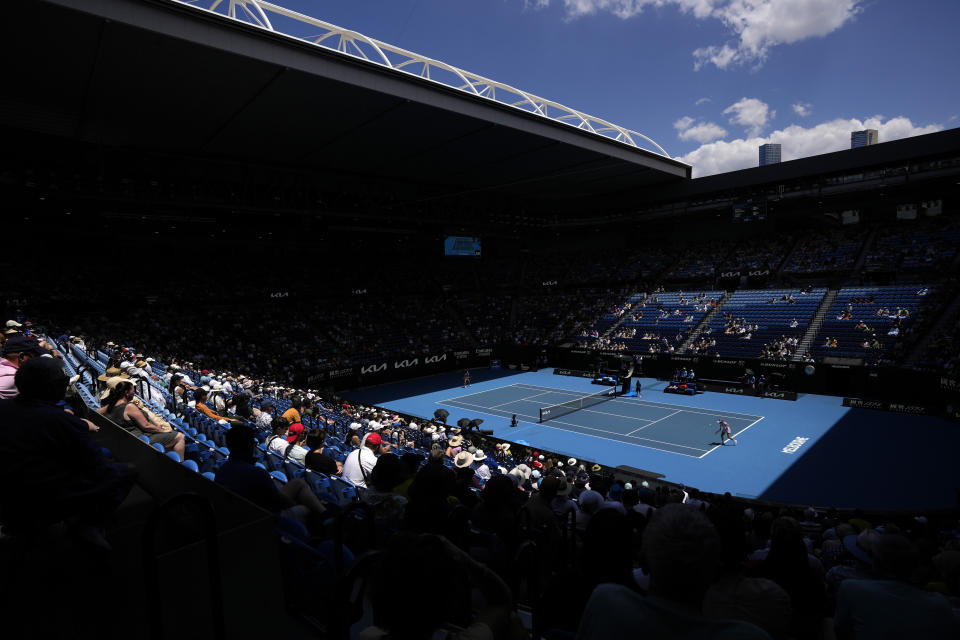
column 580, row 426
column 647, row 425
column 735, row 435
column 730, row 415
column 526, row 399
column 479, row 393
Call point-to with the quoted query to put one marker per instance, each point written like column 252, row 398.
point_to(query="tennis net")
column 563, row 408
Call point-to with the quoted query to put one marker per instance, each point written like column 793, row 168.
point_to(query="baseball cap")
column 22, row 344
column 374, row 438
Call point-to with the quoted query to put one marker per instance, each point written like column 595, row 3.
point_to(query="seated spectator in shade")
column 263, row 416
column 888, row 606
column 359, row 464
column 16, row 351
column 241, row 475
column 429, row 496
column 280, row 443
column 402, row 567
column 50, row 468
column 681, row 549
column 387, row 474
column 788, row 565
column 200, row 395
column 119, row 406
column 317, row 459
column 293, row 413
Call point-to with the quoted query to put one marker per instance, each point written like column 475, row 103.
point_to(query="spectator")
column 263, row 416
column 787, row 564
column 119, row 406
column 50, row 468
column 16, row 351
column 200, row 395
column 888, row 606
column 240, row 474
column 280, row 444
column 359, row 464
column 681, row 550
column 317, row 459
column 293, row 413
column 403, row 565
column 387, row 474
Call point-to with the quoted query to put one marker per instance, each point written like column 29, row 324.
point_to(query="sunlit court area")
column 526, row 320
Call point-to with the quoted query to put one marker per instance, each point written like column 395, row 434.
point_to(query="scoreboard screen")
column 461, row 246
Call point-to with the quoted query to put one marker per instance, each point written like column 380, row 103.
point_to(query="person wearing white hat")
column 453, row 446
column 463, row 459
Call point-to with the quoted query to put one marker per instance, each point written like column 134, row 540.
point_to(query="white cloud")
column 756, row 25
column 720, row 57
column 702, row 101
column 797, row 142
column 621, row 8
column 751, row 113
column 702, row 132
column 683, row 123
column 803, row 109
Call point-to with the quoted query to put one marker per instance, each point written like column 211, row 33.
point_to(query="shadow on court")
column 453, row 380
column 874, row 460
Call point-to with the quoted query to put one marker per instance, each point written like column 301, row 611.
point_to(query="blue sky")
column 709, row 80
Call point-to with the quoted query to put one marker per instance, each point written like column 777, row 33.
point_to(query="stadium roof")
column 163, row 76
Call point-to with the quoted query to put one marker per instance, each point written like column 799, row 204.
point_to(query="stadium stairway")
column 814, row 327
column 704, row 323
column 786, row 259
column 618, row 321
column 864, row 251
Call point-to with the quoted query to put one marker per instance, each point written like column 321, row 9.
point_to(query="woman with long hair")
column 118, row 405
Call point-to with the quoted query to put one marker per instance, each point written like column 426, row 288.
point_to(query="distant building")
column 864, row 138
column 769, row 154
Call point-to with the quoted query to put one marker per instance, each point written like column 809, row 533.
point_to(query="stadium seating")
column 655, row 322
column 757, row 308
column 876, row 307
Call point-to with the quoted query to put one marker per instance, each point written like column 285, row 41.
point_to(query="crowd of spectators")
column 615, row 556
column 827, row 251
column 782, row 349
column 909, row 246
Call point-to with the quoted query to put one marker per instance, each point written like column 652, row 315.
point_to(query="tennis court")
column 629, row 420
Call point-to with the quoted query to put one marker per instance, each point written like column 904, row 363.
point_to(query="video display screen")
column 461, row 246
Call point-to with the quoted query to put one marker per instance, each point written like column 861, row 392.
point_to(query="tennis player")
column 466, row 378
column 724, row 432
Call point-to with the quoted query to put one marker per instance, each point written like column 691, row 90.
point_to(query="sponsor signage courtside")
column 575, row 373
column 895, row 407
column 794, row 444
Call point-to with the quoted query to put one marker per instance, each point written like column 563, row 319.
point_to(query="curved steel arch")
column 352, row 43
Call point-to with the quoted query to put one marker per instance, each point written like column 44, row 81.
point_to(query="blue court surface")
column 812, row 451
